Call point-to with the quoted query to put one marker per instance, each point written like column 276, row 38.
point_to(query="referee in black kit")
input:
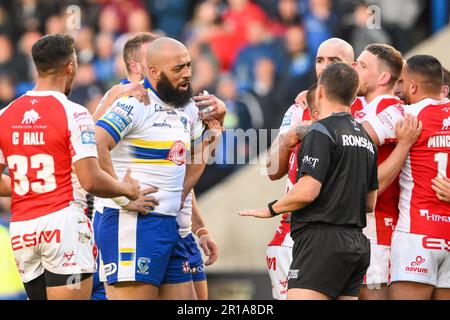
column 336, row 186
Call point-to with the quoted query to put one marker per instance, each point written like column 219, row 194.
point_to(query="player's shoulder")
column 293, row 115
column 322, row 126
column 418, row 107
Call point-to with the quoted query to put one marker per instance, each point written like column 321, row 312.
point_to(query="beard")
column 172, row 95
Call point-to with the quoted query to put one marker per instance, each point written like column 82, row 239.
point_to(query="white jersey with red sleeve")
column 420, row 210
column 293, row 117
column 380, row 224
column 43, row 134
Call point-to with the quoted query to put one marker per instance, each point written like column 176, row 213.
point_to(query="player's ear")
column 384, row 78
column 154, row 72
column 412, row 88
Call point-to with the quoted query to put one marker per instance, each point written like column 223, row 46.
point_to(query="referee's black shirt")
column 339, row 153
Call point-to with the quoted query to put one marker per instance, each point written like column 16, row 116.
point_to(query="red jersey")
column 381, row 224
column 293, row 117
column 420, row 210
column 43, row 134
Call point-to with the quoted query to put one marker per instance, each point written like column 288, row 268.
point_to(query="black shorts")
column 329, row 259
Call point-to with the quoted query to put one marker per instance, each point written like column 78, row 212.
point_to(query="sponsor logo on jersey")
column 32, row 239
column 126, row 107
column 159, row 108
column 177, row 153
column 110, row 269
column 143, row 265
column 287, row 120
column 359, row 115
column 87, row 134
column 434, row 216
column 310, row 161
column 117, row 120
column 68, row 256
column 446, row 124
column 171, row 112
column 415, row 266
column 435, row 244
column 34, row 101
column 357, row 141
column 184, row 121
column 293, row 274
column 161, row 124
column 271, row 263
column 30, row 117
column 77, row 115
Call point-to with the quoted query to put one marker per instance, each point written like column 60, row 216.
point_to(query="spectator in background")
column 56, row 24
column 108, row 21
column 287, row 16
column 260, row 44
column 204, row 74
column 265, row 90
column 139, row 21
column 87, row 91
column 119, row 10
column 104, row 61
column 84, row 42
column 170, row 16
column 319, row 22
column 6, row 55
column 361, row 35
column 7, row 90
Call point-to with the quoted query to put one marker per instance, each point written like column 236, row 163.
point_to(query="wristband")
column 203, row 228
column 272, row 212
column 121, row 201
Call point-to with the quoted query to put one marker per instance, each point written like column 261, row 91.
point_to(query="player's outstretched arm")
column 442, row 188
column 305, row 191
column 277, row 160
column 407, row 131
column 97, row 182
column 205, row 241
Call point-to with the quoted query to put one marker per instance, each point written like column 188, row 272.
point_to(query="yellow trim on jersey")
column 126, row 263
column 152, row 161
column 155, row 144
column 127, row 250
column 112, row 125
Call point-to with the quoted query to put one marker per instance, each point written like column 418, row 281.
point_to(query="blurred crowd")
column 255, row 55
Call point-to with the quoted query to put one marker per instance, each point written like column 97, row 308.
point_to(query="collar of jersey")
column 340, row 114
column 148, row 86
column 43, row 93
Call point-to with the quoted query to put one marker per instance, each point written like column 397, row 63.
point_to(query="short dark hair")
column 340, row 82
column 389, row 56
column 446, row 77
column 52, row 52
column 133, row 45
column 429, row 69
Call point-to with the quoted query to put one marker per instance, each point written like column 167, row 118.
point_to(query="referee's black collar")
column 340, row 114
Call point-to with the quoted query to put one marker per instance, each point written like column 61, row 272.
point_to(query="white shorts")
column 419, row 258
column 378, row 271
column 279, row 261
column 61, row 242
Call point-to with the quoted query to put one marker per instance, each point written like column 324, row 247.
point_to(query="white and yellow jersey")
column 153, row 141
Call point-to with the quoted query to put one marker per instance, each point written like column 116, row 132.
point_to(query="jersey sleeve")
column 315, row 154
column 384, row 123
column 196, row 124
column 121, row 117
column 291, row 118
column 82, row 135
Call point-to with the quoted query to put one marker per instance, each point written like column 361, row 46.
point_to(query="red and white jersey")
column 386, row 211
column 42, row 135
column 293, row 117
column 420, row 211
